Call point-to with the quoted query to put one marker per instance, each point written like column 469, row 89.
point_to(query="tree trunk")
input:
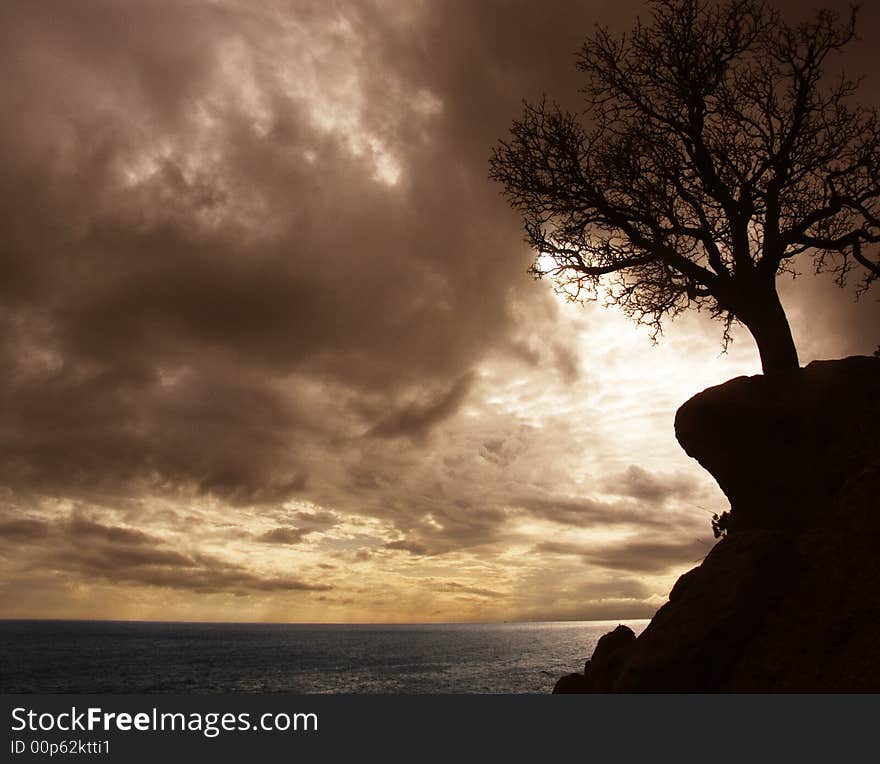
column 764, row 316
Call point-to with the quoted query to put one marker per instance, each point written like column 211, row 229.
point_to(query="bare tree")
column 714, row 149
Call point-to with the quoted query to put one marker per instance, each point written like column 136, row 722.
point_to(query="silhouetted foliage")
column 713, row 151
column 720, row 524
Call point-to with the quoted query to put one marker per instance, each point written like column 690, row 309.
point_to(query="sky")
column 270, row 350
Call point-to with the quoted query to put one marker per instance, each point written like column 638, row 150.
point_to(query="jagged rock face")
column 694, row 640
column 790, row 599
column 782, row 447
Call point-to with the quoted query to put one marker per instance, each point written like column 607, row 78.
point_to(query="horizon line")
column 318, row 623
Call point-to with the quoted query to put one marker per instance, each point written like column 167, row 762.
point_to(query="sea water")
column 150, row 657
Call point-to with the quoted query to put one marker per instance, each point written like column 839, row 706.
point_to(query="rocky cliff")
column 789, row 600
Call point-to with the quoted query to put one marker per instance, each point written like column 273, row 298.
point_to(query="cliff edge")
column 789, row 599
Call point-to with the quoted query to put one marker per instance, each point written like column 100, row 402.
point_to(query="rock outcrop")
column 783, row 447
column 790, row 599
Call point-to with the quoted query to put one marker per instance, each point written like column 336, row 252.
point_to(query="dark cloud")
column 448, row 527
column 405, row 545
column 94, row 551
column 634, row 556
column 282, row 536
column 567, row 363
column 209, row 260
column 416, row 419
column 653, row 557
column 23, row 529
column 650, row 487
column 311, row 522
column 81, row 529
column 457, row 588
column 503, row 449
column 586, row 512
column 306, row 523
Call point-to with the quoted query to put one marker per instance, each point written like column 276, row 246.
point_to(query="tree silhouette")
column 714, row 149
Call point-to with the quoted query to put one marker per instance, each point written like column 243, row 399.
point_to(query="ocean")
column 201, row 658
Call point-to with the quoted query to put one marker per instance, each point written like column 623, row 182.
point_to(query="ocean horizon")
column 178, row 657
